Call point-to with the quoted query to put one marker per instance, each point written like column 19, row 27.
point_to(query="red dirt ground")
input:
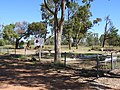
column 26, row 75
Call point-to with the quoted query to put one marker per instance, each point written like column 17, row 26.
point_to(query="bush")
column 2, row 42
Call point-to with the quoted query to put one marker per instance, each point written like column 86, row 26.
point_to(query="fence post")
column 97, row 65
column 40, row 53
column 111, row 61
column 65, row 60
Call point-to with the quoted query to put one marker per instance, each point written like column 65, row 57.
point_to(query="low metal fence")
column 77, row 60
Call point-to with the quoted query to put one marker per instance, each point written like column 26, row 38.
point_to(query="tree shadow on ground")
column 99, row 73
column 30, row 74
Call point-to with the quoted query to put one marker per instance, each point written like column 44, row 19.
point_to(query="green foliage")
column 37, row 28
column 2, row 42
column 78, row 24
column 81, row 22
column 92, row 39
column 101, row 39
column 9, row 33
column 15, row 32
column 112, row 36
column 46, row 15
column 55, row 1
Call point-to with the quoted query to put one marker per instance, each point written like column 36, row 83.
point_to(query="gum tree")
column 55, row 7
column 56, row 10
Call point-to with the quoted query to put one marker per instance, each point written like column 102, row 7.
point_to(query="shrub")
column 2, row 42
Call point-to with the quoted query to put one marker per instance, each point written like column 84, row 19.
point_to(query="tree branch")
column 62, row 11
column 55, row 14
column 48, row 7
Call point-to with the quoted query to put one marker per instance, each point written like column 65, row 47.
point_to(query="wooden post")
column 111, row 62
column 40, row 53
column 97, row 65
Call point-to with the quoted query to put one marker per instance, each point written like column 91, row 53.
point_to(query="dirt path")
column 26, row 75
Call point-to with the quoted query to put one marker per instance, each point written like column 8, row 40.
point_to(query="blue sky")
column 103, row 8
column 12, row 11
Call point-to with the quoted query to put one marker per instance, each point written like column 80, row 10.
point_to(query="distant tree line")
column 73, row 34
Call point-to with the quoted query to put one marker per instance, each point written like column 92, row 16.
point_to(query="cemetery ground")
column 24, row 71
